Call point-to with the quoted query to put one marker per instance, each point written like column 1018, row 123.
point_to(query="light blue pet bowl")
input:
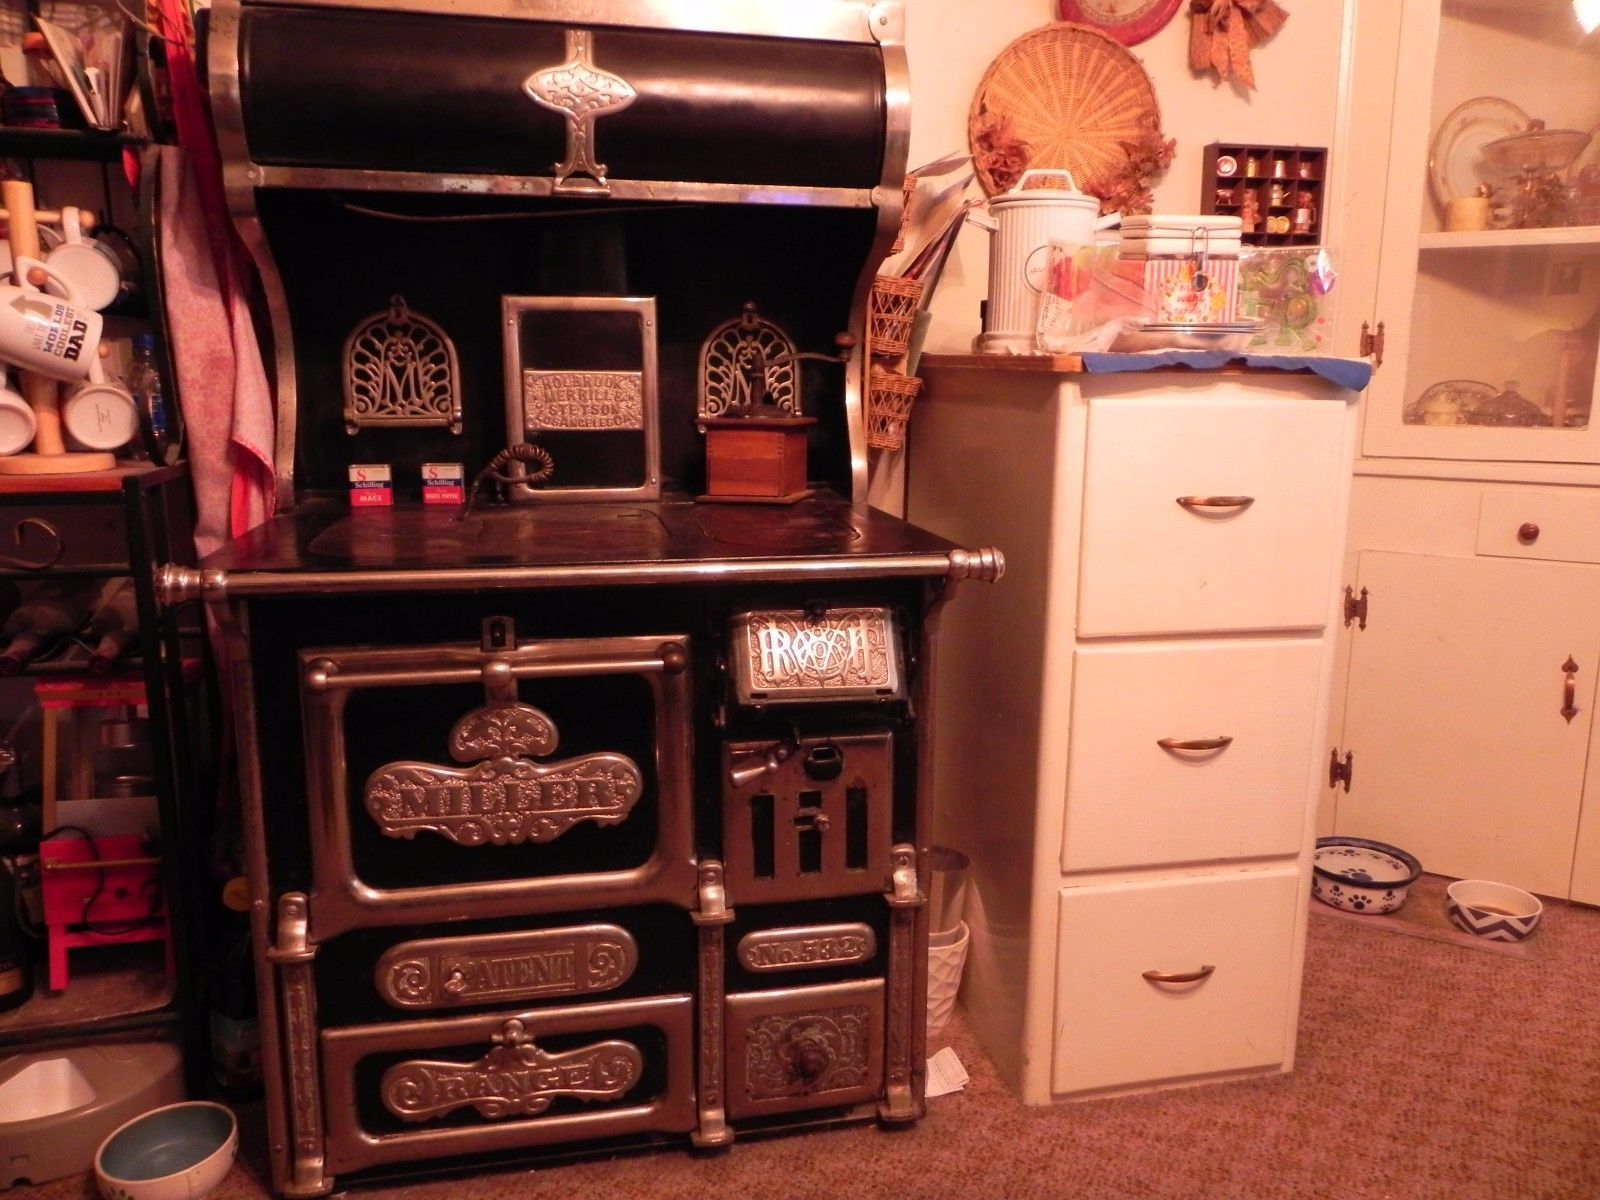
column 180, row 1152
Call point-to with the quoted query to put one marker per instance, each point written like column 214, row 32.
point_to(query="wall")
column 950, row 43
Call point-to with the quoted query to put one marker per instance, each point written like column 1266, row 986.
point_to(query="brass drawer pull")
column 1205, row 503
column 1216, row 743
column 1180, row 976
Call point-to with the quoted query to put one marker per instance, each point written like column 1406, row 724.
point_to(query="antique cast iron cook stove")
column 571, row 825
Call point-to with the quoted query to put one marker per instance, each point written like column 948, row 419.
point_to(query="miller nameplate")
column 497, row 968
column 583, row 399
column 838, row 654
column 807, row 946
column 504, row 802
column 515, row 1078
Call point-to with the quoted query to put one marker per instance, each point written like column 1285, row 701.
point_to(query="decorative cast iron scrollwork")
column 515, row 1078
column 400, row 371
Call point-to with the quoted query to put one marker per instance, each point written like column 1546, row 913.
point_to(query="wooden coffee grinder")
column 750, row 411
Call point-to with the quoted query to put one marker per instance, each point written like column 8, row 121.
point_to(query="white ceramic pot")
column 1025, row 222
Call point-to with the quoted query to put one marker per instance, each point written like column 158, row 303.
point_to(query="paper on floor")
column 945, row 1074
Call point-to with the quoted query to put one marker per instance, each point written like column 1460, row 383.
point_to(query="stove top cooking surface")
column 327, row 536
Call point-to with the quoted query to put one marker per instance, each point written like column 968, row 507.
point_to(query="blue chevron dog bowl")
column 1362, row 876
column 1495, row 911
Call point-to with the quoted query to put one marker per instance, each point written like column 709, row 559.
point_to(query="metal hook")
column 19, row 536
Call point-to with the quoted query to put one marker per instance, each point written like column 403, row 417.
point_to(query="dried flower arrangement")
column 1127, row 190
column 999, row 152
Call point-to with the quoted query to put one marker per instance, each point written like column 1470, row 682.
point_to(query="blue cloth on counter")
column 1352, row 373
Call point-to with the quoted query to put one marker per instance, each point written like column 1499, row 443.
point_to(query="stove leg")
column 904, row 1013
column 712, row 915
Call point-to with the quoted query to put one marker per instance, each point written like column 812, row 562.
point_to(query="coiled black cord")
column 521, row 452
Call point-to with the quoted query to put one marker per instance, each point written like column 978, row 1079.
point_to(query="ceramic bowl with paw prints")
column 1362, row 876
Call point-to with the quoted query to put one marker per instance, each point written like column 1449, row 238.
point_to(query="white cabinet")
column 1462, row 753
column 1491, row 336
column 1475, row 501
column 1131, row 726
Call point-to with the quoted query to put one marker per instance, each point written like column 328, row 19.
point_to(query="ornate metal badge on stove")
column 504, row 799
column 750, row 411
column 400, row 372
column 580, row 385
column 515, row 1079
column 582, row 93
column 502, row 968
column 782, row 655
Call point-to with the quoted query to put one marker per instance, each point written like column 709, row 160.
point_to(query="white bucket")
column 947, row 956
column 1025, row 223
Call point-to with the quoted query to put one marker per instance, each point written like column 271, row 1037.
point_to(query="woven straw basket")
column 889, row 398
column 907, row 190
column 891, row 310
column 1073, row 95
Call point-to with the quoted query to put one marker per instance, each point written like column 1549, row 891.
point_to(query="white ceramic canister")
column 1025, row 222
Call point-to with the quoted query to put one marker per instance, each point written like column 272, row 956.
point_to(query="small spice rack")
column 1281, row 185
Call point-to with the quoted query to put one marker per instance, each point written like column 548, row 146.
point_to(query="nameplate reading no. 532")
column 806, row 946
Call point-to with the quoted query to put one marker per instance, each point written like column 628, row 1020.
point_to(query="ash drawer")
column 1212, row 743
column 1554, row 526
column 500, row 1081
column 792, row 1049
column 1120, row 1026
column 1210, row 516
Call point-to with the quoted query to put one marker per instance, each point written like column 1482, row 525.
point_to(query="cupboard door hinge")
column 1372, row 343
column 1341, row 772
column 1355, row 607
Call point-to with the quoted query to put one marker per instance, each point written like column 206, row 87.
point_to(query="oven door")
column 451, row 779
column 502, row 1081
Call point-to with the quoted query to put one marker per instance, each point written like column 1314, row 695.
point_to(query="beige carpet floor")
column 1425, row 1070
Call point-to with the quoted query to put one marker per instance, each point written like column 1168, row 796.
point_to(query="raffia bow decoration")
column 1223, row 32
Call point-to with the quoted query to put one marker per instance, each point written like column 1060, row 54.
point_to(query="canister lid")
column 1170, row 225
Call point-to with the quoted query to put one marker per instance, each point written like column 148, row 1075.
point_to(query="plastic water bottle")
column 146, row 387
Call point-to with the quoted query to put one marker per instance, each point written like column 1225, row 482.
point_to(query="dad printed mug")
column 47, row 334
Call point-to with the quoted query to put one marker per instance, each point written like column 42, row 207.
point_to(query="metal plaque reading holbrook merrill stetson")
column 806, row 946
column 503, row 968
column 583, row 399
column 781, row 655
column 515, row 1078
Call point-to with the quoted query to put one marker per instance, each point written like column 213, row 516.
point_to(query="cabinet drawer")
column 1152, row 565
column 1131, row 801
column 1568, row 526
column 1121, row 1028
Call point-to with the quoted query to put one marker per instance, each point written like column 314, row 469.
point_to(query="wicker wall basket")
column 1073, row 96
column 889, row 398
column 891, row 311
column 907, row 190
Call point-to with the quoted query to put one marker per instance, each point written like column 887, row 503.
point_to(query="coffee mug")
column 89, row 267
column 17, row 422
column 52, row 335
column 100, row 415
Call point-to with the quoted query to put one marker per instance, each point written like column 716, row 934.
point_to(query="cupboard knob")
column 1527, row 533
